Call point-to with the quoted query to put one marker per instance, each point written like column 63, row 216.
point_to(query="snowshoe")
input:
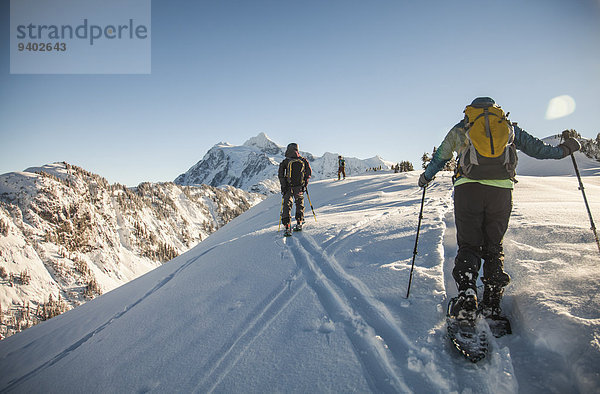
column 468, row 336
column 298, row 227
column 288, row 231
column 499, row 324
column 491, row 311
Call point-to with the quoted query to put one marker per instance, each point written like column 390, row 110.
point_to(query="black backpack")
column 295, row 172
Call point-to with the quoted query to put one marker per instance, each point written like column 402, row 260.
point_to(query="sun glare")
column 560, row 106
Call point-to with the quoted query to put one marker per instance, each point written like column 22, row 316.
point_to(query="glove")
column 284, row 189
column 423, row 181
column 570, row 145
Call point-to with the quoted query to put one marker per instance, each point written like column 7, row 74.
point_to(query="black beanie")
column 482, row 102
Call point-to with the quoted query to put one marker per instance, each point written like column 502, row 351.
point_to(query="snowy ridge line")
column 12, row 384
column 371, row 352
column 218, row 366
column 374, row 313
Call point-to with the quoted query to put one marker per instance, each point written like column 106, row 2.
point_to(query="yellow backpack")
column 490, row 152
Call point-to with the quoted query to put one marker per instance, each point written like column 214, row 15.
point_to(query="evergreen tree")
column 425, row 159
column 405, row 166
column 449, row 166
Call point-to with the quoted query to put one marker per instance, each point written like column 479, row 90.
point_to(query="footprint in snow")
column 236, row 305
column 327, row 327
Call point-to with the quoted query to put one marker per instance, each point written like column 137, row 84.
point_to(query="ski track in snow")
column 379, row 371
column 380, row 344
column 217, row 367
column 359, row 226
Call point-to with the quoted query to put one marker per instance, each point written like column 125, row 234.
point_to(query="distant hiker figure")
column 486, row 143
column 294, row 172
column 341, row 167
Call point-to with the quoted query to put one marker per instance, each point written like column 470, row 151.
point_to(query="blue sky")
column 359, row 78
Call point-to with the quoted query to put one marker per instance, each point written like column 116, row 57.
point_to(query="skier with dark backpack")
column 294, row 172
column 486, row 143
column 341, row 167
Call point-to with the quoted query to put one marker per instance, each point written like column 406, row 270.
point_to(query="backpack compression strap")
column 289, row 169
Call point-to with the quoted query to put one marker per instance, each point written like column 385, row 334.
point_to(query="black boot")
column 298, row 226
column 492, row 296
column 464, row 307
column 288, row 230
column 466, row 267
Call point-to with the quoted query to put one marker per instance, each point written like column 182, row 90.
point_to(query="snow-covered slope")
column 66, row 235
column 253, row 166
column 326, row 310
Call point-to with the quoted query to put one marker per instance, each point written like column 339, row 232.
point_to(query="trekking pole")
column 416, row 241
column 280, row 213
column 593, row 226
column 310, row 203
column 587, row 206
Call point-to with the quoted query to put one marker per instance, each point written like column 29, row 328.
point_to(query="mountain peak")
column 254, row 166
column 264, row 143
column 58, row 169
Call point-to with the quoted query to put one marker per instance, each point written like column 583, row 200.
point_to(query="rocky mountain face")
column 590, row 147
column 253, row 166
column 67, row 235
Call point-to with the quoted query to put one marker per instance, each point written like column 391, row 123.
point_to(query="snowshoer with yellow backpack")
column 486, row 143
column 294, row 172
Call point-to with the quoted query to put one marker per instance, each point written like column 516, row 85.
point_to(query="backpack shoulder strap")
column 291, row 162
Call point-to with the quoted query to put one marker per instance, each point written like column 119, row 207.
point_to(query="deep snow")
column 326, row 310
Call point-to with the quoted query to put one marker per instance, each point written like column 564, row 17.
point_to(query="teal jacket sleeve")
column 536, row 148
column 454, row 141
